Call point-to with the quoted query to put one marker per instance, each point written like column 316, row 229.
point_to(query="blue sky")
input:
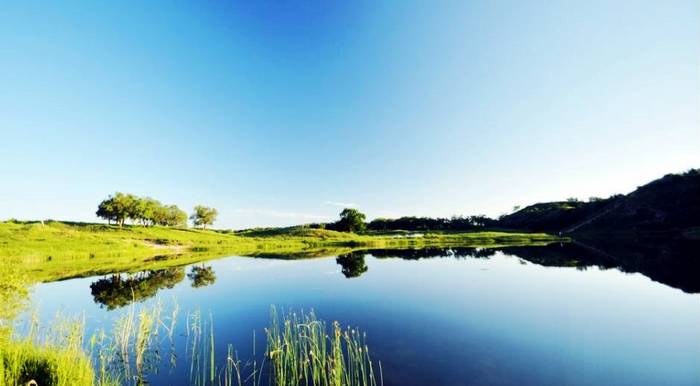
column 281, row 112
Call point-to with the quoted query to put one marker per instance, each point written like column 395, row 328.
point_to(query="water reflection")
column 674, row 262
column 201, row 276
column 671, row 261
column 120, row 290
column 433, row 252
column 353, row 264
column 447, row 316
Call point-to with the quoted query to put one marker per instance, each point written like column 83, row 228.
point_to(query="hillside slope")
column 671, row 203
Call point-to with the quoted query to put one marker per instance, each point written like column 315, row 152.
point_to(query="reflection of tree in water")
column 202, row 276
column 118, row 291
column 353, row 264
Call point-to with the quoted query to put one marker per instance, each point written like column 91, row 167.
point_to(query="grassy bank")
column 57, row 250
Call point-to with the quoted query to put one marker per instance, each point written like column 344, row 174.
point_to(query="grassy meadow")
column 59, row 250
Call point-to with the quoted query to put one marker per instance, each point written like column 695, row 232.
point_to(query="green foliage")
column 351, row 220
column 54, row 359
column 13, row 295
column 115, row 208
column 203, row 216
column 667, row 204
column 424, row 224
column 303, row 350
column 144, row 210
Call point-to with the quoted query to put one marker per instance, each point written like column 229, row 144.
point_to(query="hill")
column 671, row 203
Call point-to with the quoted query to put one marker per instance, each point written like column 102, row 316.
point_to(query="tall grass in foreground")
column 301, row 350
column 55, row 357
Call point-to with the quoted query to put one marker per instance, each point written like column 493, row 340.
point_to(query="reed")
column 52, row 357
column 300, row 350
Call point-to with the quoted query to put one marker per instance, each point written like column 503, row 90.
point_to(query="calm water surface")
column 485, row 318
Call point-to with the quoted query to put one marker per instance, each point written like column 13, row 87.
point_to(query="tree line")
column 455, row 223
column 352, row 220
column 119, row 207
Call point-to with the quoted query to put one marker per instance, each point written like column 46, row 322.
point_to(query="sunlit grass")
column 47, row 357
column 300, row 349
column 55, row 250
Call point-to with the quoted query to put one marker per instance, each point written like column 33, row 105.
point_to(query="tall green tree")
column 144, row 210
column 351, row 220
column 203, row 216
column 135, row 207
column 115, row 208
column 175, row 216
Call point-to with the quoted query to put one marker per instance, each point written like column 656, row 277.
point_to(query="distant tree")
column 203, row 216
column 351, row 220
column 143, row 210
column 135, row 207
column 149, row 210
column 175, row 216
column 572, row 199
column 160, row 214
column 516, row 208
column 417, row 224
column 594, row 199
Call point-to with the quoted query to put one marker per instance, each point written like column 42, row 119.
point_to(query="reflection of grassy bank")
column 55, row 251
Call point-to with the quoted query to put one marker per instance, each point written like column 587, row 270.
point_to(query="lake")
column 555, row 315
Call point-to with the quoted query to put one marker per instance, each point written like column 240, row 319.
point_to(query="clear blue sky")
column 280, row 112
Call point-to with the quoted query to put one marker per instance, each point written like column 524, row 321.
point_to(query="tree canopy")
column 351, row 220
column 203, row 216
column 144, row 210
column 456, row 223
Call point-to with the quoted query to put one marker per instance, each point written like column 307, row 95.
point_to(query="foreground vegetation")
column 300, row 350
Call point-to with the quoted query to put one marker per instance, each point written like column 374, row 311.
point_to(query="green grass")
column 57, row 250
column 23, row 362
column 51, row 358
column 299, row 349
column 302, row 349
